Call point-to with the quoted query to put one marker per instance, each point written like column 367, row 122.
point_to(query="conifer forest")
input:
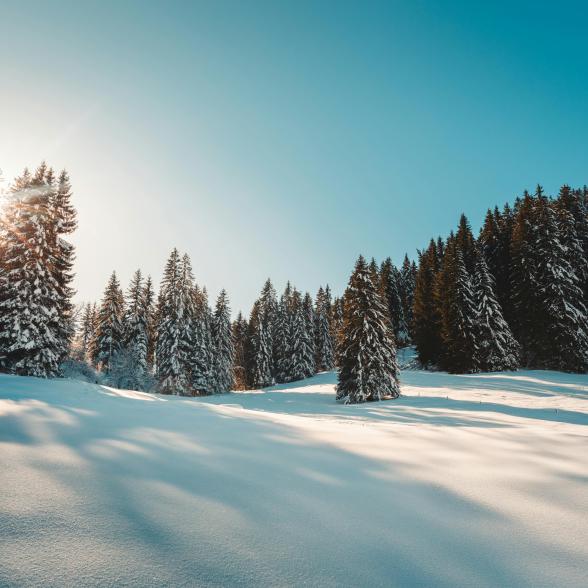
column 515, row 295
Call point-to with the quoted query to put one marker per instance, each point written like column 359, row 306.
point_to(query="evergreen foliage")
column 368, row 355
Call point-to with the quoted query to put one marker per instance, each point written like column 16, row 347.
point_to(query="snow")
column 476, row 480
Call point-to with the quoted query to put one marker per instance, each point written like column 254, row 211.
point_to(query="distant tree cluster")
column 516, row 296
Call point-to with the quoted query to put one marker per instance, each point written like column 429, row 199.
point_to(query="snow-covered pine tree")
column 368, row 356
column 148, row 301
column 258, row 352
column 426, row 317
column 223, row 344
column 337, row 312
column 497, row 349
column 269, row 315
column 458, row 314
column 173, row 340
column 63, row 222
column 29, row 307
column 136, row 327
column 85, row 333
column 494, row 243
column 525, row 280
column 203, row 351
column 573, row 220
column 301, row 357
column 563, row 323
column 407, row 285
column 109, row 334
column 390, row 279
column 309, row 327
column 281, row 336
column 324, row 356
column 239, row 330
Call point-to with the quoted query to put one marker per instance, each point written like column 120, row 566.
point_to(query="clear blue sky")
column 284, row 138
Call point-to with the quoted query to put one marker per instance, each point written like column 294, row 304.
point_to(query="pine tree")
column 148, row 300
column 109, row 335
column 497, row 349
column 426, row 319
column 174, row 337
column 368, row 358
column 282, row 351
column 269, row 316
column 223, row 344
column 562, row 315
column 30, row 329
column 390, row 279
column 259, row 373
column 324, row 357
column 310, row 335
column 337, row 313
column 239, row 331
column 525, row 280
column 407, row 286
column 136, row 329
column 202, row 351
column 63, row 222
column 85, row 334
column 458, row 316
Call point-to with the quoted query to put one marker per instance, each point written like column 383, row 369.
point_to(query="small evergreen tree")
column 368, row 357
column 497, row 349
column 223, row 344
column 109, row 335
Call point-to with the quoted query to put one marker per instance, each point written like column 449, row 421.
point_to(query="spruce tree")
column 239, row 330
column 202, row 351
column 324, row 357
column 459, row 316
column 109, row 335
column 259, row 354
column 390, row 279
column 148, row 300
column 563, row 326
column 173, row 340
column 368, row 355
column 407, row 285
column 223, row 344
column 136, row 328
column 426, row 319
column 282, row 350
column 30, row 329
column 497, row 349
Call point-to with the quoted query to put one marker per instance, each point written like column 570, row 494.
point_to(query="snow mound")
column 464, row 481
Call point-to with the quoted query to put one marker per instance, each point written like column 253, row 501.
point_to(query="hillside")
column 463, row 481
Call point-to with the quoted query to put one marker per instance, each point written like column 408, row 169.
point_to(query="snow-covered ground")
column 464, row 481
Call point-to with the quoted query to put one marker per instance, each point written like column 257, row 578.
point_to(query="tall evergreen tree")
column 173, row 341
column 136, row 327
column 30, row 329
column 109, row 335
column 390, row 279
column 407, row 285
column 368, row 358
column 426, row 319
column 148, row 300
column 223, row 344
column 324, row 356
column 497, row 349
column 240, row 344
column 459, row 316
column 202, row 345
column 259, row 355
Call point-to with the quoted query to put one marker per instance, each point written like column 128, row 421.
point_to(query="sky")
column 283, row 139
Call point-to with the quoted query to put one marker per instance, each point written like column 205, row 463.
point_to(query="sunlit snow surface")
column 464, row 481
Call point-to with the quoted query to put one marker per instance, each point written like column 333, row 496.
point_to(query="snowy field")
column 464, row 481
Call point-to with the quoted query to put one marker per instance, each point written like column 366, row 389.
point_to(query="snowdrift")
column 464, row 481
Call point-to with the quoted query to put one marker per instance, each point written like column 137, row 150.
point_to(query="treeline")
column 176, row 343
column 516, row 296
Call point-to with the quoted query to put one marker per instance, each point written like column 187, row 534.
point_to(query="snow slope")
column 464, row 481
